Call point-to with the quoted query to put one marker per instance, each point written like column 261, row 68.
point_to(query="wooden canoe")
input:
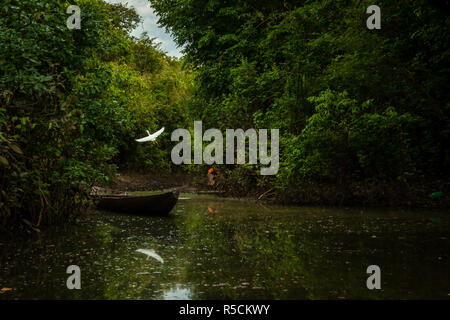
column 151, row 205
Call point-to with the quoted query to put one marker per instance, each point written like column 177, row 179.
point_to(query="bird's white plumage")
column 151, row 253
column 151, row 137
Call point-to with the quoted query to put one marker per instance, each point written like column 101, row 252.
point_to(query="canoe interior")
column 155, row 204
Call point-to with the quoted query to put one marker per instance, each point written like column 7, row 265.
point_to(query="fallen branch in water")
column 265, row 193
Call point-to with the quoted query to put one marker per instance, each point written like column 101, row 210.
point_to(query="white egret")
column 151, row 137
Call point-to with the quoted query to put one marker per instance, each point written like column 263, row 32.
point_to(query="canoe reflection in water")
column 151, row 253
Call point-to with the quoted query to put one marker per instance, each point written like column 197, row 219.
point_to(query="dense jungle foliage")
column 363, row 114
column 360, row 110
column 73, row 101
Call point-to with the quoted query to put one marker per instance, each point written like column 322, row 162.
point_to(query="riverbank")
column 402, row 194
column 132, row 181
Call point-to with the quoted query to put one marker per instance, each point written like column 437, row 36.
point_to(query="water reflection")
column 215, row 248
column 178, row 292
column 151, row 253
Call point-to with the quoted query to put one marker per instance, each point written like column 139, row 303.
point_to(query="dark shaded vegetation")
column 363, row 114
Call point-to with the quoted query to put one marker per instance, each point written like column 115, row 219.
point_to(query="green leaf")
column 16, row 149
column 4, row 161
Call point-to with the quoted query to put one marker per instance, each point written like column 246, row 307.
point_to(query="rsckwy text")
column 228, row 309
column 245, row 309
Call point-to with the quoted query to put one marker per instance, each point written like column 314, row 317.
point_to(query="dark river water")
column 214, row 248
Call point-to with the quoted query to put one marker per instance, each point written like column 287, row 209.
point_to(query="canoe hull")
column 152, row 205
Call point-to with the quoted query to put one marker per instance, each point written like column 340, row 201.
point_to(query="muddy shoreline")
column 132, row 181
column 394, row 194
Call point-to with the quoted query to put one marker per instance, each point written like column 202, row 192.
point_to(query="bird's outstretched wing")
column 151, row 137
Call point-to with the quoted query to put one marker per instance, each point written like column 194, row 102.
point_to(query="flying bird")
column 151, row 137
column 151, row 253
